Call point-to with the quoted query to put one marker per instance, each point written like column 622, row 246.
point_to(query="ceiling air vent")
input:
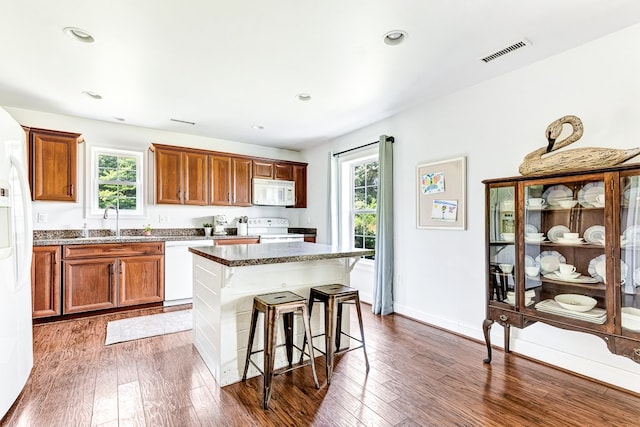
column 508, row 49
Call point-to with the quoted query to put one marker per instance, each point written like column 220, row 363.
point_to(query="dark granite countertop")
column 129, row 239
column 274, row 253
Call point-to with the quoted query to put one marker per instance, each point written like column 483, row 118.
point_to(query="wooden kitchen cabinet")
column 300, row 178
column 271, row 169
column 101, row 276
column 230, row 180
column 52, row 164
column 239, row 241
column 46, row 282
column 526, row 248
column 181, row 176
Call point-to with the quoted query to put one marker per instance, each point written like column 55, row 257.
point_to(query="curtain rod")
column 389, row 138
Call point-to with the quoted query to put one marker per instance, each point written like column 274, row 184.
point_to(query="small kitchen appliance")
column 219, row 223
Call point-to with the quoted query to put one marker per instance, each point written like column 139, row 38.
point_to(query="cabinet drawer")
column 247, row 241
column 628, row 348
column 113, row 249
column 511, row 317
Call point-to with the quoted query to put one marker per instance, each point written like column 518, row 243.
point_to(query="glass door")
column 501, row 251
column 630, row 255
column 564, row 249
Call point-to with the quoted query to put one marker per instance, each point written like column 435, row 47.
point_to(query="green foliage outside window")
column 365, row 196
column 117, row 182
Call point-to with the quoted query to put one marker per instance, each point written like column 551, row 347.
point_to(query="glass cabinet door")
column 502, row 235
column 565, row 268
column 630, row 255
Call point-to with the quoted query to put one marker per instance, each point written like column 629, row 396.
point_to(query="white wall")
column 439, row 275
column 65, row 215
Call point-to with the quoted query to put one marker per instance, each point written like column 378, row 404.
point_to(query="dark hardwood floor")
column 420, row 376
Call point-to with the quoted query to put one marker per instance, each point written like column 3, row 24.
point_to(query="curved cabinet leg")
column 486, row 327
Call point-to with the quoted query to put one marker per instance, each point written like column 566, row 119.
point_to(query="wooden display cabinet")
column 527, row 218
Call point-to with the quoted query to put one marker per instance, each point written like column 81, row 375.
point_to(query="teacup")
column 536, row 202
column 571, row 236
column 567, row 203
column 532, row 271
column 506, row 268
column 508, row 237
column 566, row 269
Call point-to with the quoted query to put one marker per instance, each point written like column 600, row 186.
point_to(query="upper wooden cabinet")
column 52, row 164
column 229, row 180
column 181, row 176
column 186, row 176
column 270, row 169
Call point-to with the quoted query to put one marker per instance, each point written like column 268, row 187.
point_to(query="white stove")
column 272, row 230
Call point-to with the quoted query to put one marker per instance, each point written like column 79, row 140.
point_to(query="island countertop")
column 274, row 253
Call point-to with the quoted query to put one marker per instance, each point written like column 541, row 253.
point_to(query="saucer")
column 565, row 241
column 567, row 276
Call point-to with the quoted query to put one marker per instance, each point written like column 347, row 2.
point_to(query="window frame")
column 93, row 204
column 347, row 164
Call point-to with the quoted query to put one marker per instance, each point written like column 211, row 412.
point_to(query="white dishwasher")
column 178, row 286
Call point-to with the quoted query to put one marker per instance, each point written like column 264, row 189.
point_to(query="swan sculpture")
column 578, row 159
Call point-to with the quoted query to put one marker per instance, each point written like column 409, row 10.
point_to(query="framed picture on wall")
column 441, row 194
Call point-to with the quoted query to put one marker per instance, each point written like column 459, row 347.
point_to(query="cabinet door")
column 283, row 171
column 45, row 281
column 53, row 165
column 219, row 180
column 263, row 169
column 169, row 170
column 241, row 180
column 195, row 178
column 89, row 284
column 501, row 211
column 567, row 232
column 300, row 178
column 630, row 263
column 141, row 280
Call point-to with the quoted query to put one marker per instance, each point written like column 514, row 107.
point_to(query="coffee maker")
column 219, row 223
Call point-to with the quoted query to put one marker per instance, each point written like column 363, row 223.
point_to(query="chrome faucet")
column 106, row 215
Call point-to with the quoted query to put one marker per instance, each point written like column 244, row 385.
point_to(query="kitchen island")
column 225, row 280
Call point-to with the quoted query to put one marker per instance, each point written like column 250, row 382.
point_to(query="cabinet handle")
column 637, row 351
column 504, row 317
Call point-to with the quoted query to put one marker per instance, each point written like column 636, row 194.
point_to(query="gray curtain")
column 383, row 285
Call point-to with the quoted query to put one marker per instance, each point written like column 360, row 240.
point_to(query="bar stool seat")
column 272, row 306
column 334, row 296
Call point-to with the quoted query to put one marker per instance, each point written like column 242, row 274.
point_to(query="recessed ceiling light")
column 303, row 97
column 93, row 95
column 79, row 34
column 258, row 127
column 395, row 37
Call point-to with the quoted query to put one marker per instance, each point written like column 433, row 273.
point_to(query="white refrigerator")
column 16, row 341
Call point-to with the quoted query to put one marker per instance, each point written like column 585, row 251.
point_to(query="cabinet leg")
column 486, row 327
column 507, row 336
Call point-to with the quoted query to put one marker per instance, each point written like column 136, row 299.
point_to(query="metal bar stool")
column 272, row 306
column 333, row 297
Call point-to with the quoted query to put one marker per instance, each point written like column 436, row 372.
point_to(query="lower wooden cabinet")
column 82, row 278
column 247, row 241
column 45, row 281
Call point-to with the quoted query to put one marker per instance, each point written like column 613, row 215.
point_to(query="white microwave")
column 273, row 192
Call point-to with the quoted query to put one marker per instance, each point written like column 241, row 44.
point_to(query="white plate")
column 529, row 261
column 507, row 255
column 529, row 228
column 557, row 231
column 575, row 302
column 598, row 268
column 595, row 234
column 579, row 279
column 632, row 235
column 636, row 276
column 588, row 193
column 631, row 318
column 530, row 240
column 555, row 193
column 564, row 241
column 549, row 261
